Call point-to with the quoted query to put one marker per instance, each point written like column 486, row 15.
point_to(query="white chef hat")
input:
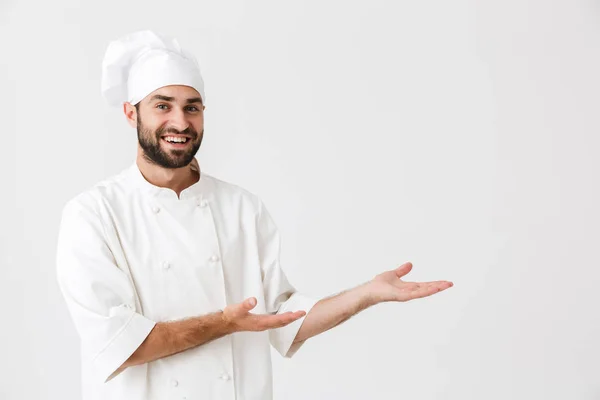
column 139, row 63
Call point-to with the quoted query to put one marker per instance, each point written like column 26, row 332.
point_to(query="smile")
column 175, row 139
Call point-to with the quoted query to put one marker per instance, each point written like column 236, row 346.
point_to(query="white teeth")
column 175, row 139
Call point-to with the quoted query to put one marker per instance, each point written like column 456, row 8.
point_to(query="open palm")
column 388, row 286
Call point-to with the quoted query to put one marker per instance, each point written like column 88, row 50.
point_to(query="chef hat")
column 139, row 63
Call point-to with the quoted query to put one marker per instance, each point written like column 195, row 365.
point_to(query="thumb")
column 249, row 304
column 240, row 309
column 403, row 269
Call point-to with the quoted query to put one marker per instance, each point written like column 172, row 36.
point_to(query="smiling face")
column 170, row 125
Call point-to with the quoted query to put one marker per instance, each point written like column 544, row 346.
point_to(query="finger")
column 436, row 283
column 288, row 318
column 403, row 269
column 249, row 303
column 264, row 322
column 428, row 290
column 410, row 285
column 244, row 307
column 442, row 285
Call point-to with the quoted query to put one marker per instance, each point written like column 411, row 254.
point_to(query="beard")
column 153, row 152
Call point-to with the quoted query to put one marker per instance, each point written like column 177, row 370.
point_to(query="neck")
column 175, row 179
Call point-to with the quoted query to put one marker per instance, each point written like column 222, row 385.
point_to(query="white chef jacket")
column 131, row 254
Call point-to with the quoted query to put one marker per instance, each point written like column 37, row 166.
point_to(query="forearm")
column 332, row 311
column 168, row 338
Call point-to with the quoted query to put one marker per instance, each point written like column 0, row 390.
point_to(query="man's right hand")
column 238, row 317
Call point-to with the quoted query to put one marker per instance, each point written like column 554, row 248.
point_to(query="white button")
column 225, row 377
column 155, row 209
column 214, row 258
column 166, row 265
column 174, row 382
column 203, row 203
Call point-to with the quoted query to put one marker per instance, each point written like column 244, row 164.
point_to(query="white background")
column 459, row 135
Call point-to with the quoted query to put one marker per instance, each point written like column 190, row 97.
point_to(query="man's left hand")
column 388, row 286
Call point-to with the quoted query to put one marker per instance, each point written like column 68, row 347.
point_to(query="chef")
column 172, row 276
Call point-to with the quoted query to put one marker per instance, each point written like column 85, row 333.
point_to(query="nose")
column 179, row 120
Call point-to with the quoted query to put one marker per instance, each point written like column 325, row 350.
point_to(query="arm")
column 168, row 338
column 332, row 311
column 329, row 312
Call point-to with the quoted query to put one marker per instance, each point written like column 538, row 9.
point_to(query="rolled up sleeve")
column 280, row 295
column 99, row 295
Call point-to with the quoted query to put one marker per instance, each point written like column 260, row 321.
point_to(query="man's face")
column 170, row 125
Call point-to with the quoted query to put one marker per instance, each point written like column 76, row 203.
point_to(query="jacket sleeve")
column 99, row 295
column 280, row 295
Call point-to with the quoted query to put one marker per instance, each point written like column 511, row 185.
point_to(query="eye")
column 161, row 105
column 193, row 108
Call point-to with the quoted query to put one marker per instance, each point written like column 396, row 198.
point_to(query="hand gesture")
column 239, row 318
column 388, row 286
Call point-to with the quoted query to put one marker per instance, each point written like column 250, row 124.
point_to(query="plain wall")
column 459, row 135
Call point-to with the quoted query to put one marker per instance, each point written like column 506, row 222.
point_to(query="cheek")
column 155, row 125
column 198, row 125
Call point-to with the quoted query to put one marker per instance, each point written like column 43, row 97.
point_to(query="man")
column 172, row 276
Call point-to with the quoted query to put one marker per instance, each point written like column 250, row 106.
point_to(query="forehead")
column 179, row 93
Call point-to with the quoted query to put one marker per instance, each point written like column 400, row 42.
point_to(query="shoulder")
column 108, row 190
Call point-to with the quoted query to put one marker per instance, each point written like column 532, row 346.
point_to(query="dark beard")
column 156, row 155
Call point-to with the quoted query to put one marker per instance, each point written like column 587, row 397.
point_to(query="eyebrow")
column 169, row 98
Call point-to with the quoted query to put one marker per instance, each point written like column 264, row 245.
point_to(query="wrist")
column 367, row 295
column 226, row 323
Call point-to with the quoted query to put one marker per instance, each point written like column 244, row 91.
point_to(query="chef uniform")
column 131, row 254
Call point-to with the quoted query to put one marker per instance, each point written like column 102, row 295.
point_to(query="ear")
column 130, row 113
